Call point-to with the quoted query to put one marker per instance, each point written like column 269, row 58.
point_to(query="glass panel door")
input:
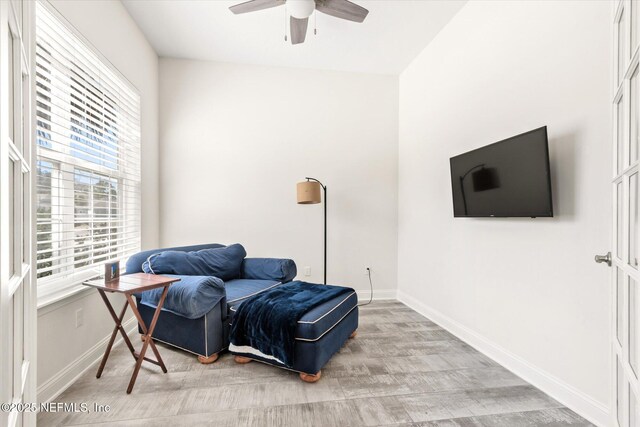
column 17, row 284
column 625, row 190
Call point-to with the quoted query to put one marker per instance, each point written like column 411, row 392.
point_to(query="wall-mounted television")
column 510, row 178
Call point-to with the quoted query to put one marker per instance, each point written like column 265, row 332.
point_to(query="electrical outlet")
column 307, row 271
column 79, row 317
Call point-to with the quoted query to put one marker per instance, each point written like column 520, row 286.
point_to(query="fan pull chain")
column 315, row 23
column 285, row 22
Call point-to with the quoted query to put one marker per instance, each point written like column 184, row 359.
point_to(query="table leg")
column 148, row 333
column 118, row 327
column 118, row 320
column 148, row 342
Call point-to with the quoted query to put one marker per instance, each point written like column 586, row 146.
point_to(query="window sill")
column 53, row 292
column 56, row 301
column 60, row 291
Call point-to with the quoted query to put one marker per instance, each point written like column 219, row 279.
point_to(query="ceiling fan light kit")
column 300, row 10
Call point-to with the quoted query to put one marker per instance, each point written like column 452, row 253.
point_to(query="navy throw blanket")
column 268, row 321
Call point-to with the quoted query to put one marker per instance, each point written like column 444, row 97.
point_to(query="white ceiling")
column 393, row 33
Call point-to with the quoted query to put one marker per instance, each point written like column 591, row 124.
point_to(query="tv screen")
column 510, row 178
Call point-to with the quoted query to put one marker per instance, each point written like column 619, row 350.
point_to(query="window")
column 88, row 158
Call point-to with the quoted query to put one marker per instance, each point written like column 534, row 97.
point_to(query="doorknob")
column 604, row 258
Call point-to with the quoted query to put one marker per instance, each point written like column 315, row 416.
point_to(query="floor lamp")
column 309, row 194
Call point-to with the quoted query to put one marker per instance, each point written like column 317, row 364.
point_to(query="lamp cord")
column 371, row 288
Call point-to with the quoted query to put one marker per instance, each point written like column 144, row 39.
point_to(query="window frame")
column 52, row 289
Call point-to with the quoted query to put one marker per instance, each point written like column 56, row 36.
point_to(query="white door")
column 624, row 258
column 17, row 284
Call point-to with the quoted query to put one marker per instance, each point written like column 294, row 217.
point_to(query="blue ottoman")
column 320, row 333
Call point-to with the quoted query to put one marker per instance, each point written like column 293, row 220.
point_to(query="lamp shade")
column 308, row 193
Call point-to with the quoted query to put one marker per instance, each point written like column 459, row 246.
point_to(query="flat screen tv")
column 510, row 178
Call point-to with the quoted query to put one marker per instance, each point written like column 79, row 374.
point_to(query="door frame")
column 18, row 309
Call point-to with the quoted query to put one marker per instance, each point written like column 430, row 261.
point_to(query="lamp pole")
column 324, row 191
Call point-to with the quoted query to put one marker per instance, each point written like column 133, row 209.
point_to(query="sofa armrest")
column 282, row 270
column 191, row 297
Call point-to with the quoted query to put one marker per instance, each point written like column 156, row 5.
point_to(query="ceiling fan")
column 301, row 10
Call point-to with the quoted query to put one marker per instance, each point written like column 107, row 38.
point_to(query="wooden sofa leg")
column 206, row 360
column 353, row 334
column 242, row 359
column 310, row 378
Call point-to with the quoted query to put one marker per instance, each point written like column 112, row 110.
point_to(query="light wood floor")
column 400, row 370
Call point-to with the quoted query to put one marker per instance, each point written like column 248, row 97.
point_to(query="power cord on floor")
column 371, row 287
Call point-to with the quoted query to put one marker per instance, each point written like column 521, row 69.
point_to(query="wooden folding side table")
column 128, row 285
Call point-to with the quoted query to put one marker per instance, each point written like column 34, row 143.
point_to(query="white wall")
column 524, row 288
column 63, row 349
column 235, row 140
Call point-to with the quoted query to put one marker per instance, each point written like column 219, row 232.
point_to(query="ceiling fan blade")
column 254, row 5
column 342, row 9
column 298, row 29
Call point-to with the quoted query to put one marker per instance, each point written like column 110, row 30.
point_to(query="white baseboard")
column 594, row 411
column 54, row 386
column 378, row 294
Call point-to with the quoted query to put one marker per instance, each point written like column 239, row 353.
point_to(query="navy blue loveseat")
column 201, row 326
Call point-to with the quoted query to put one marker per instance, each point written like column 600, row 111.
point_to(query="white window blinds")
column 88, row 157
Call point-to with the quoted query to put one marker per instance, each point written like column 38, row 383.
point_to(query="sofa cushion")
column 225, row 263
column 134, row 263
column 315, row 323
column 282, row 270
column 268, row 322
column 240, row 289
column 321, row 319
column 192, row 297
